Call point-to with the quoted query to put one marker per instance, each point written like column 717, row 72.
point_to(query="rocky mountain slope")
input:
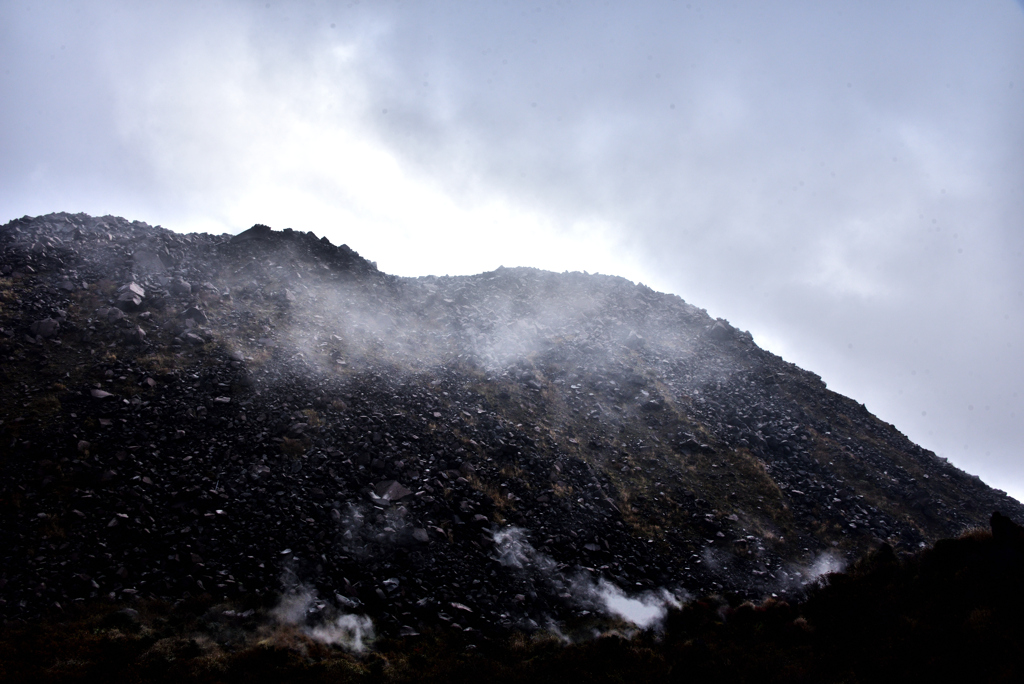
column 269, row 414
column 950, row 612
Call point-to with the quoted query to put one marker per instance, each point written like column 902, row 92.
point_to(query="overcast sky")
column 843, row 179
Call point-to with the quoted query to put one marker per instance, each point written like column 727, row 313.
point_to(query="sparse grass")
column 493, row 493
column 312, row 418
column 976, row 534
column 511, row 471
column 260, row 356
column 45, row 405
column 636, row 517
column 159, row 362
column 294, row 447
column 51, row 528
column 560, row 490
column 104, row 287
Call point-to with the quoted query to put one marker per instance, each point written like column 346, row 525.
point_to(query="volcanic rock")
column 476, row 439
column 257, row 232
column 131, row 297
column 148, row 262
column 194, row 313
column 45, row 328
column 392, row 490
column 180, row 287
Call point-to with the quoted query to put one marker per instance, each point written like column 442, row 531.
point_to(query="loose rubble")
column 194, row 414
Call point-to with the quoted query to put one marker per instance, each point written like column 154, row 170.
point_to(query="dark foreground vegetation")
column 948, row 613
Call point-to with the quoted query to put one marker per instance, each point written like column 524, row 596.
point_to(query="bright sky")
column 843, row 179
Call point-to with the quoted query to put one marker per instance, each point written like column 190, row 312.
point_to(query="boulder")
column 195, row 314
column 148, row 262
column 136, row 335
column 131, row 297
column 180, row 288
column 257, row 232
column 47, row 327
column 392, row 490
column 721, row 331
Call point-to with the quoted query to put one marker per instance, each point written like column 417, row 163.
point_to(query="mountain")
column 268, row 417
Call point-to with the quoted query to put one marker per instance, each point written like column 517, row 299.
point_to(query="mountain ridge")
column 490, row 451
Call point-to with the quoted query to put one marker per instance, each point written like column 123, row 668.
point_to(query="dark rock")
column 148, row 262
column 136, row 335
column 180, row 288
column 391, row 490
column 721, row 331
column 257, row 232
column 195, row 314
column 130, row 297
column 45, row 328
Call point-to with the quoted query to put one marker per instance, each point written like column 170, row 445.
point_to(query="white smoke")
column 324, row 622
column 796, row 578
column 824, row 564
column 294, row 606
column 647, row 610
column 644, row 611
column 348, row 631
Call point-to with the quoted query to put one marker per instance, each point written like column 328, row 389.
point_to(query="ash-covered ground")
column 268, row 415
